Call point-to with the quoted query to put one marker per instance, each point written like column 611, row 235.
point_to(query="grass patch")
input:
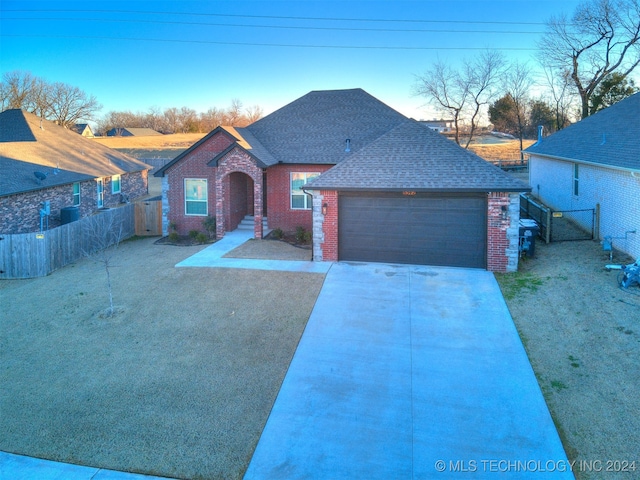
column 558, row 386
column 514, row 284
column 574, row 361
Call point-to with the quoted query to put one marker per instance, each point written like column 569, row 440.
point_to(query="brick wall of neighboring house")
column 193, row 165
column 616, row 191
column 279, row 211
column 502, row 232
column 21, row 213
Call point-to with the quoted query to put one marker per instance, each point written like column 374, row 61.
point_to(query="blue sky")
column 136, row 55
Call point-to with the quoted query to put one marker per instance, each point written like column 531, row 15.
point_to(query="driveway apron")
column 409, row 372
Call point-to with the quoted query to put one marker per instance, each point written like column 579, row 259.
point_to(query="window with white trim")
column 576, row 179
column 195, row 196
column 100, row 192
column 299, row 199
column 115, row 184
column 76, row 194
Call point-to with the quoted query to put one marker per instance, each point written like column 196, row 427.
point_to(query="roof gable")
column 314, row 128
column 609, row 137
column 216, row 131
column 413, row 157
column 25, row 139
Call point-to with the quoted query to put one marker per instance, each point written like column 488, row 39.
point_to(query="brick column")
column 328, row 227
column 503, row 218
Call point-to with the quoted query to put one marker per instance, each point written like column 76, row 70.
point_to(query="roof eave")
column 583, row 162
column 421, row 190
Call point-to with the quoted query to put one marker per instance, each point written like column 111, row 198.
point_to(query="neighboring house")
column 132, row 132
column 440, row 126
column 83, row 129
column 43, row 162
column 595, row 162
column 393, row 191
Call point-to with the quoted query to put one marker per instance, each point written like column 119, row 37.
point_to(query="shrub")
column 302, row 235
column 278, row 233
column 209, row 225
column 173, row 226
column 202, row 238
column 193, row 233
column 174, row 237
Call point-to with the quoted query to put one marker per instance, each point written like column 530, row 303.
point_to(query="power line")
column 284, row 27
column 255, row 44
column 272, row 17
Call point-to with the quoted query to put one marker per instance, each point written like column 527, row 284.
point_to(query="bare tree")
column 233, row 114
column 253, row 114
column 59, row 102
column 517, row 83
column 602, row 37
column 102, row 236
column 462, row 94
column 16, row 88
column 559, row 87
column 211, row 119
column 69, row 104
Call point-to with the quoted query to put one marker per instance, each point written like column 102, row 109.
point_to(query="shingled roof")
column 411, row 156
column 314, row 128
column 29, row 144
column 609, row 137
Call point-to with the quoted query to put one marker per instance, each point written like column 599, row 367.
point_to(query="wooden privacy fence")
column 148, row 216
column 37, row 254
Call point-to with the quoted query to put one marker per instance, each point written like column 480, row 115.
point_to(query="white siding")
column 617, row 192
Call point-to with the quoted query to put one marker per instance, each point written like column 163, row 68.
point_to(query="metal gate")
column 559, row 225
column 569, row 225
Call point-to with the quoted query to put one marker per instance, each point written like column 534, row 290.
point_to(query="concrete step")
column 247, row 223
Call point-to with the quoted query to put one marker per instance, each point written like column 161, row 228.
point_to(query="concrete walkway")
column 212, row 256
column 19, row 467
column 409, row 372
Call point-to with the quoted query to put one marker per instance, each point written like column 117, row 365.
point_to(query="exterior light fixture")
column 348, row 145
column 324, row 208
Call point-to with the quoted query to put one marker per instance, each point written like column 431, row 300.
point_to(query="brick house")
column 44, row 162
column 595, row 162
column 370, row 183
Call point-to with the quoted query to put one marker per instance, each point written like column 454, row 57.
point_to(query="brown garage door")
column 413, row 228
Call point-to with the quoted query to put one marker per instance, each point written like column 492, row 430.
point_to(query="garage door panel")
column 413, row 229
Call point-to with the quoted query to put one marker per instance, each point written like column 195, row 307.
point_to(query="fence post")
column 548, row 232
column 596, row 222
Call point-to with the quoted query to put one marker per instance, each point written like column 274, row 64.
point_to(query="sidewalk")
column 19, row 467
column 212, row 256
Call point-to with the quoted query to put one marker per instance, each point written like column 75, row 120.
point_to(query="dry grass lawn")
column 158, row 142
column 500, row 151
column 179, row 383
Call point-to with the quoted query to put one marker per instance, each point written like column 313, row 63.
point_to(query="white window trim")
column 113, row 184
column 100, row 192
column 206, row 201
column 576, row 180
column 308, row 201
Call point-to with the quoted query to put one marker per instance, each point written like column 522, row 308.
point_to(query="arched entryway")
column 239, row 192
column 239, row 199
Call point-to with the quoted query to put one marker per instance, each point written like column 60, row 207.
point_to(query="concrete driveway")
column 409, row 372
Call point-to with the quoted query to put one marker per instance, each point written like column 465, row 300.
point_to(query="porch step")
column 247, row 224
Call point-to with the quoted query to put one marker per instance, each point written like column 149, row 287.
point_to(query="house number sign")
column 408, row 193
